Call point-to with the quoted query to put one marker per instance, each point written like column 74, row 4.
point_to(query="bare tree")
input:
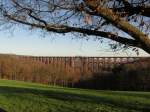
column 126, row 22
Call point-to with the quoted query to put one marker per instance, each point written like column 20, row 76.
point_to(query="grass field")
column 18, row 96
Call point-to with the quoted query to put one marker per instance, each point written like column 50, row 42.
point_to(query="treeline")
column 15, row 68
column 133, row 76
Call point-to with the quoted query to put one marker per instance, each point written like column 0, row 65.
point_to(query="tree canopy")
column 126, row 22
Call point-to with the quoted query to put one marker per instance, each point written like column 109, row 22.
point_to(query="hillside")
column 18, row 96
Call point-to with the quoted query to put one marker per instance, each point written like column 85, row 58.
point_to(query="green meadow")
column 17, row 96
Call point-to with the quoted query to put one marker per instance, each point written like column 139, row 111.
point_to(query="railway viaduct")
column 93, row 64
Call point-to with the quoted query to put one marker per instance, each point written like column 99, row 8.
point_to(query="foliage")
column 16, row 68
column 134, row 76
column 131, row 76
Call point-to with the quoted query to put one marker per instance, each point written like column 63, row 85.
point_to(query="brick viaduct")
column 94, row 64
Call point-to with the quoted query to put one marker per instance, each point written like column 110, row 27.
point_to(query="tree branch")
column 131, row 10
column 141, row 10
column 115, row 19
column 67, row 29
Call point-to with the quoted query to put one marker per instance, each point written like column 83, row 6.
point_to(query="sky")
column 24, row 42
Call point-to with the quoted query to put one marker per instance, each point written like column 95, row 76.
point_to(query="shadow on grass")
column 2, row 110
column 68, row 96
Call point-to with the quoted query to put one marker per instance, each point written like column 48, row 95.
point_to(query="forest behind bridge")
column 131, row 76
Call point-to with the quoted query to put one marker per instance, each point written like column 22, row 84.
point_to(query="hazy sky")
column 25, row 42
